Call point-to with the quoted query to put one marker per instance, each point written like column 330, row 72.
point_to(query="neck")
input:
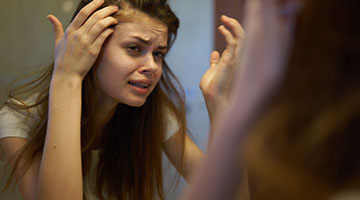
column 103, row 113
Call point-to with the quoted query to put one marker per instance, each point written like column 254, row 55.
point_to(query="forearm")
column 60, row 175
column 216, row 82
column 220, row 175
column 186, row 160
column 193, row 156
column 213, row 108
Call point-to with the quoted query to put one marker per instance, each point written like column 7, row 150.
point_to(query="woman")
column 104, row 112
column 293, row 121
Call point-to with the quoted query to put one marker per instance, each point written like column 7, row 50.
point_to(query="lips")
column 139, row 85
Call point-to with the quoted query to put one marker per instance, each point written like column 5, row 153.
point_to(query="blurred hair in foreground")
column 306, row 144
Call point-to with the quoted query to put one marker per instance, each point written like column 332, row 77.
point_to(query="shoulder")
column 15, row 126
column 18, row 122
column 172, row 123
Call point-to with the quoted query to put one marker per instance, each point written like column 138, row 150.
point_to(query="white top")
column 15, row 123
column 18, row 123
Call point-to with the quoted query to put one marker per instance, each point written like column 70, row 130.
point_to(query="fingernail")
column 48, row 17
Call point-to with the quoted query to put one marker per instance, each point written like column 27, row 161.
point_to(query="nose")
column 149, row 66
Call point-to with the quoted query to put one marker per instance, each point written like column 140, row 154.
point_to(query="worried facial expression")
column 130, row 65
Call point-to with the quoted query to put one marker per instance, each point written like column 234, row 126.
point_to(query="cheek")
column 158, row 74
column 113, row 65
column 109, row 72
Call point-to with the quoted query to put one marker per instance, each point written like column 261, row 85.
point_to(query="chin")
column 135, row 103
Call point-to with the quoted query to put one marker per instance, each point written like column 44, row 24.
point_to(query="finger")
column 84, row 13
column 101, row 39
column 58, row 28
column 229, row 38
column 99, row 28
column 234, row 25
column 98, row 15
column 214, row 58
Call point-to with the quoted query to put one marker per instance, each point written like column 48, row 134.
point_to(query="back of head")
column 308, row 138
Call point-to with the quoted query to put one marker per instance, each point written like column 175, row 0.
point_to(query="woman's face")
column 130, row 64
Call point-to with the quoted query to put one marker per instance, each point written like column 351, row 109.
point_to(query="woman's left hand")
column 216, row 81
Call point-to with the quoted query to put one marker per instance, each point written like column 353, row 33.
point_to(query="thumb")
column 58, row 28
column 214, row 58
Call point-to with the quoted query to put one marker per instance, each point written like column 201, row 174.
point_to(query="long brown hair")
column 130, row 156
column 306, row 145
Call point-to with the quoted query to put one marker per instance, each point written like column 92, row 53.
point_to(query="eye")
column 134, row 48
column 159, row 54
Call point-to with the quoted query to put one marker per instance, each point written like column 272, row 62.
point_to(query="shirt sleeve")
column 13, row 123
column 16, row 123
column 172, row 125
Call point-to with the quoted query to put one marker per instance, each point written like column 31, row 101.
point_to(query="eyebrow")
column 148, row 42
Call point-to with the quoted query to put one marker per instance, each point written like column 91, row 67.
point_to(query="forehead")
column 144, row 27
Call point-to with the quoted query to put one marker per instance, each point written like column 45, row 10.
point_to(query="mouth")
column 139, row 85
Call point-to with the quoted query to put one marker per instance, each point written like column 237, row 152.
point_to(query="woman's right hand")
column 77, row 48
column 216, row 81
column 269, row 31
column 59, row 173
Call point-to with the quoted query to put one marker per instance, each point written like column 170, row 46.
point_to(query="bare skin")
column 57, row 174
column 268, row 24
column 217, row 80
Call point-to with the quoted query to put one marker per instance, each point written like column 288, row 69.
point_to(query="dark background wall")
column 231, row 8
